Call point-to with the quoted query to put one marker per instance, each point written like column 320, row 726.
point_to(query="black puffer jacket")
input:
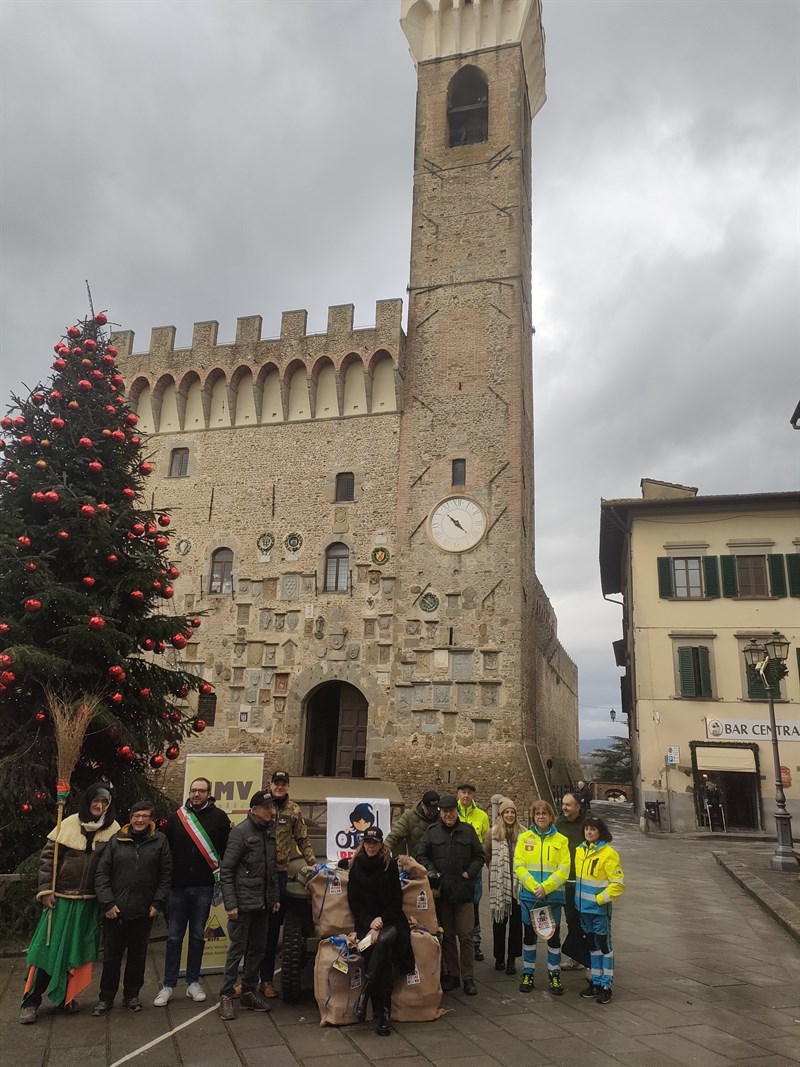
column 374, row 891
column 134, row 873
column 449, row 852
column 248, row 872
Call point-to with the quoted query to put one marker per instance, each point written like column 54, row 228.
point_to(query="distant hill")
column 591, row 744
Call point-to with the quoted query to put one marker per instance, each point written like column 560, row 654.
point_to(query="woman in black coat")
column 376, row 901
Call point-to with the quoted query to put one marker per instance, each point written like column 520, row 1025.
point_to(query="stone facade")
column 343, row 637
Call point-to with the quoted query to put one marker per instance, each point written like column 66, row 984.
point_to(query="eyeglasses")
column 198, row 790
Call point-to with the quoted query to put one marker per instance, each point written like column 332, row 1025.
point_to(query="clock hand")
column 456, row 523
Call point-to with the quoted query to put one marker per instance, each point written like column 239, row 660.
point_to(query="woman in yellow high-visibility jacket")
column 598, row 880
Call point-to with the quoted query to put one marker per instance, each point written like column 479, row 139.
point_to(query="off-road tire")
column 293, row 956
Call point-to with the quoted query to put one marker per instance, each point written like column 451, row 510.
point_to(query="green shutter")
column 777, row 574
column 666, row 586
column 756, row 689
column 704, row 662
column 711, row 576
column 793, row 570
column 775, row 672
column 730, row 587
column 686, row 672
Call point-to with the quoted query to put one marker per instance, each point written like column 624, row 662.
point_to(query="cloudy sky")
column 212, row 160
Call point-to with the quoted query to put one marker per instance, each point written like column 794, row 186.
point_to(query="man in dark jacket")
column 452, row 853
column 197, row 834
column 251, row 894
column 570, row 824
column 132, row 884
column 408, row 829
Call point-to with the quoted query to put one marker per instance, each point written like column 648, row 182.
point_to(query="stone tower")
column 355, row 508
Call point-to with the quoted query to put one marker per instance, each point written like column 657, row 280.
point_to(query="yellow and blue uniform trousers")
column 541, row 859
column 598, row 881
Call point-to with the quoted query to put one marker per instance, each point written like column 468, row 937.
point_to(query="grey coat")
column 248, row 871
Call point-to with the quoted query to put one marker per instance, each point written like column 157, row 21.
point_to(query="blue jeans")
column 187, row 907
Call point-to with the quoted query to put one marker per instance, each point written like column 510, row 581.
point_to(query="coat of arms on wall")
column 380, row 555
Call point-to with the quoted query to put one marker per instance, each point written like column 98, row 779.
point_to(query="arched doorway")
column 336, row 732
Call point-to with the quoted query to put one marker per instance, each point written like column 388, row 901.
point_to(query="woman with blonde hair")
column 541, row 863
column 376, row 901
column 499, row 847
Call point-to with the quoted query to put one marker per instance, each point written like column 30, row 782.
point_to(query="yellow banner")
column 234, row 779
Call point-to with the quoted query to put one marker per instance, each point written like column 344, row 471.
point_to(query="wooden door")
column 351, row 746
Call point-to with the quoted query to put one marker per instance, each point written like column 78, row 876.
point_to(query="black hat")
column 280, row 776
column 431, row 799
column 468, row 785
column 261, row 800
column 447, row 803
column 374, row 833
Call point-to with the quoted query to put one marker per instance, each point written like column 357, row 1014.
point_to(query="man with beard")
column 197, row 834
column 413, row 823
column 291, row 836
column 570, row 824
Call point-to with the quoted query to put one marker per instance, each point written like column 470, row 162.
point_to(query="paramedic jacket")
column 542, row 859
column 598, row 878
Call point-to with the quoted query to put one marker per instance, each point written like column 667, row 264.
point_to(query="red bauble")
column 97, row 375
column 128, row 494
column 198, row 726
column 148, row 644
column 108, row 360
column 59, row 364
column 37, row 497
column 90, row 344
column 32, row 605
column 205, row 688
column 164, row 520
column 40, row 716
column 30, row 567
column 111, row 350
column 52, row 498
column 136, row 594
column 85, row 442
column 7, row 677
column 19, row 421
column 58, row 346
column 26, row 808
column 124, row 751
column 195, row 623
column 6, row 422
column 85, row 385
column 103, row 509
column 168, row 592
column 4, row 627
column 25, row 541
column 37, row 399
column 12, row 477
column 131, row 419
column 152, row 529
column 110, row 409
column 165, row 716
column 112, row 559
column 100, row 318
column 183, row 691
column 5, row 661
column 144, row 693
column 116, row 698
column 118, row 436
column 117, row 673
column 55, row 396
column 26, row 440
column 173, row 572
column 157, row 586
column 172, row 752
column 57, row 424
column 162, row 542
column 87, row 582
column 87, row 511
column 175, row 716
column 97, row 622
column 62, row 535
column 157, row 760
column 159, row 648
column 73, row 331
column 145, row 468
column 136, row 441
column 178, row 641
column 137, row 528
column 95, row 466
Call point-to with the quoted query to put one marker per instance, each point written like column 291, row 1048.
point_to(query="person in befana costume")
column 66, row 940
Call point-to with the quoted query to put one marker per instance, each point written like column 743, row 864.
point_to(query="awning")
column 725, row 758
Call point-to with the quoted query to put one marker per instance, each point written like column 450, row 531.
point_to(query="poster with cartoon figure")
column 348, row 818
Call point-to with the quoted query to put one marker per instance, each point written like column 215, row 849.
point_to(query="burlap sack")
column 417, row 997
column 418, row 902
column 329, row 907
column 338, row 980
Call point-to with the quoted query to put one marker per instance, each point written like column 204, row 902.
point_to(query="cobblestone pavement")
column 703, row 976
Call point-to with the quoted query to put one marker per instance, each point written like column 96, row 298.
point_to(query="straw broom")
column 71, row 718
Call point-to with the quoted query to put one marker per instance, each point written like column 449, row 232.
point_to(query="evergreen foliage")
column 613, row 764
column 85, row 593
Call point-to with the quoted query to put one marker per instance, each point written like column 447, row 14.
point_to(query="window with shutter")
column 221, row 577
column 730, row 587
column 756, row 689
column 777, row 574
column 751, row 576
column 711, row 576
column 694, row 671
column 793, row 572
column 179, row 463
column 666, row 589
column 686, row 576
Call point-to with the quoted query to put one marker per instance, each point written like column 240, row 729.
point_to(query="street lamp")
column 759, row 656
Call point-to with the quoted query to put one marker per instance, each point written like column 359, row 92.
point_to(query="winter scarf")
column 503, row 884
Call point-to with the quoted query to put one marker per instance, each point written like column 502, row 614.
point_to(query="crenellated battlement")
column 293, row 377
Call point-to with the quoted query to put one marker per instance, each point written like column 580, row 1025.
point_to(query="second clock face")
column 457, row 524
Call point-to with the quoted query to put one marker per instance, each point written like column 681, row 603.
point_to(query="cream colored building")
column 700, row 576
column 356, row 508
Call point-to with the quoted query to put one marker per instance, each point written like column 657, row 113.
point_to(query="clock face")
column 457, row 524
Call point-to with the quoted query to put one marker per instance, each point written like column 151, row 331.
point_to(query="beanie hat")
column 506, row 804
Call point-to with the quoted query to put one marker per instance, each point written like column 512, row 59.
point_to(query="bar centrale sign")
column 751, row 729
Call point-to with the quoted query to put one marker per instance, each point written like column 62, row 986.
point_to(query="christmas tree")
column 86, row 608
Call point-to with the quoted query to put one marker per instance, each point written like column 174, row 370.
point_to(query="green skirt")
column 74, row 942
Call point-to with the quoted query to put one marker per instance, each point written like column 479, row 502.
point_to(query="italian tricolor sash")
column 195, row 830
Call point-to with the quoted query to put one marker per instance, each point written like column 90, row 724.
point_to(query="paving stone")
column 711, row 1037
column 317, row 1041
column 77, row 1056
column 346, row 1059
column 684, row 1051
column 266, row 1057
column 571, row 1051
column 785, row 1045
column 206, row 1051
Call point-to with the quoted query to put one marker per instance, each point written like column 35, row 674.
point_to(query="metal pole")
column 782, row 858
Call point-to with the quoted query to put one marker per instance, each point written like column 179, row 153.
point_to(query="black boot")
column 360, row 1010
column 383, row 1025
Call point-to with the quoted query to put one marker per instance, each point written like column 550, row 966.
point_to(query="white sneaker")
column 196, row 992
column 163, row 996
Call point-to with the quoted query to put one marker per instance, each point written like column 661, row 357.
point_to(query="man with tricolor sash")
column 197, row 833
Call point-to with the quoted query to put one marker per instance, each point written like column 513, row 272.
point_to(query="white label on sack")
column 413, row 978
column 355, row 978
column 422, row 900
column 335, row 886
column 340, row 965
